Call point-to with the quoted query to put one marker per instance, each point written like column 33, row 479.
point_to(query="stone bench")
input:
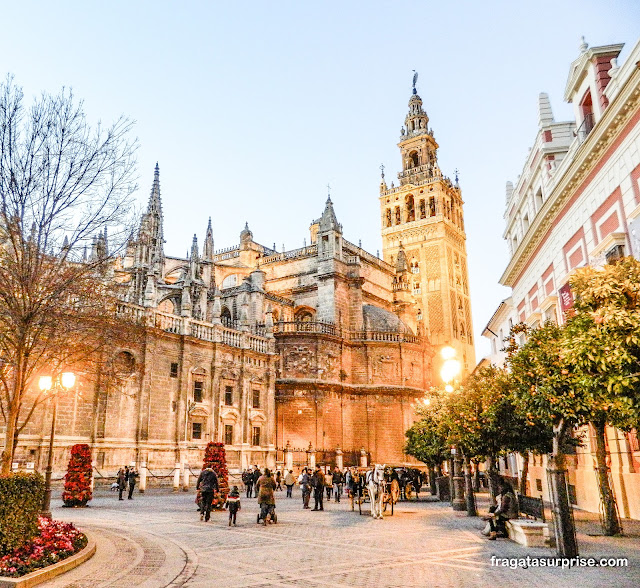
column 529, row 533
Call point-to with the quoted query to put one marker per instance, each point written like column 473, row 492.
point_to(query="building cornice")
column 604, row 135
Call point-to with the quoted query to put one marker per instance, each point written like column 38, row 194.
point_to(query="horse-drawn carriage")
column 380, row 486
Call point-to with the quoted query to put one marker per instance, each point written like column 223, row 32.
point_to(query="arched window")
column 432, row 206
column 388, row 218
column 398, row 217
column 415, row 268
column 303, row 316
column 423, row 209
column 168, row 306
column 225, row 316
column 229, row 281
column 414, row 158
column 124, row 363
column 410, row 208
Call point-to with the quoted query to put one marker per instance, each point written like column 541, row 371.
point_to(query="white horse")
column 375, row 483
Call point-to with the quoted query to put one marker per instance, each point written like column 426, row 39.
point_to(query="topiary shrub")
column 21, row 498
column 216, row 458
column 77, row 480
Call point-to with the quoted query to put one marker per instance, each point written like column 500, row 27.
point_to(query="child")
column 233, row 503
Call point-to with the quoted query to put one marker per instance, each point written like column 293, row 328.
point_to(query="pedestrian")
column 305, row 486
column 289, row 482
column 317, row 482
column 337, row 480
column 266, row 498
column 208, row 485
column 122, row 483
column 233, row 504
column 506, row 508
column 328, row 483
column 132, row 482
column 247, row 480
column 256, row 476
column 278, row 481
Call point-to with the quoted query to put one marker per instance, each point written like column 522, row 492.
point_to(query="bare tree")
column 62, row 184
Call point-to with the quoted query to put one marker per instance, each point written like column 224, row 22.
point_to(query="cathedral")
column 323, row 349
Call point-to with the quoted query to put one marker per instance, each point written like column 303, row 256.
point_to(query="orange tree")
column 602, row 336
column 547, row 389
column 485, row 421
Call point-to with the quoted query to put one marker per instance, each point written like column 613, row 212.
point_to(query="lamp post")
column 449, row 371
column 47, row 384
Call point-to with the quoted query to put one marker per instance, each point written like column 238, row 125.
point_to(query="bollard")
column 143, row 477
column 185, row 481
column 93, row 478
column 176, row 478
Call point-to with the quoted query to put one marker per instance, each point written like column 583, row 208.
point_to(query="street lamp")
column 47, row 384
column 449, row 371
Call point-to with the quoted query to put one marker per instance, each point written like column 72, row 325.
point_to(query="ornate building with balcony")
column 577, row 203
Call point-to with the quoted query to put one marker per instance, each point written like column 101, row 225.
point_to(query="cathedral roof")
column 379, row 319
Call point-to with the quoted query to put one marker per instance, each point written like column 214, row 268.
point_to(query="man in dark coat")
column 132, row 482
column 256, row 477
column 317, row 481
column 208, row 485
column 247, row 480
column 337, row 479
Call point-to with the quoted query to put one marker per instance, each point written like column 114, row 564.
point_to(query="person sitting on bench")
column 507, row 508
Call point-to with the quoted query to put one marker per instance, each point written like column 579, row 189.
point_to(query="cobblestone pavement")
column 157, row 540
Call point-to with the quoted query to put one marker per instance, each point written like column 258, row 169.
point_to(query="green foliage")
column 426, row 440
column 603, row 339
column 20, row 503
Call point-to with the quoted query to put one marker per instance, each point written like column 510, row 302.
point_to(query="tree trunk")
column 476, row 475
column 492, row 479
column 12, row 427
column 432, row 480
column 610, row 522
column 471, row 499
column 565, row 532
column 525, row 473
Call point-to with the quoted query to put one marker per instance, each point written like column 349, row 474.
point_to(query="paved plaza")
column 158, row 540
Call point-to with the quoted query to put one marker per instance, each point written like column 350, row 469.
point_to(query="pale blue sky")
column 251, row 108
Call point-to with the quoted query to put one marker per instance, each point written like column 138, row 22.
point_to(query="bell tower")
column 423, row 227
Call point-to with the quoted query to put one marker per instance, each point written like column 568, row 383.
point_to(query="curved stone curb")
column 50, row 572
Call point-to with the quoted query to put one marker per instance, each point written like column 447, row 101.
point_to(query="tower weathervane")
column 415, row 79
column 329, row 190
column 382, row 170
column 455, row 171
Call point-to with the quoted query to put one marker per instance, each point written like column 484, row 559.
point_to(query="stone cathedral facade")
column 318, row 349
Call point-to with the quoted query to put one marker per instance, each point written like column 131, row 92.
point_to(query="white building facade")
column 577, row 203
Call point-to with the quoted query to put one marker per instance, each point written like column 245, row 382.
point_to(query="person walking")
column 266, row 498
column 122, row 483
column 208, row 485
column 278, row 481
column 247, row 480
column 233, row 504
column 305, row 486
column 328, row 483
column 318, row 489
column 132, row 482
column 256, row 476
column 338, row 480
column 289, row 482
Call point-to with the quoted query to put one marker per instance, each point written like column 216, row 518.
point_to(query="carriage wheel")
column 360, row 504
column 408, row 491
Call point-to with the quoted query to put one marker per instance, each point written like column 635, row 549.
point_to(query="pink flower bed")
column 55, row 541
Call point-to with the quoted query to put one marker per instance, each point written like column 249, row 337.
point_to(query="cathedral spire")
column 207, row 249
column 155, row 204
column 328, row 220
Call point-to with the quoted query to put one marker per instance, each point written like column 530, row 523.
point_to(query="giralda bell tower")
column 423, row 237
